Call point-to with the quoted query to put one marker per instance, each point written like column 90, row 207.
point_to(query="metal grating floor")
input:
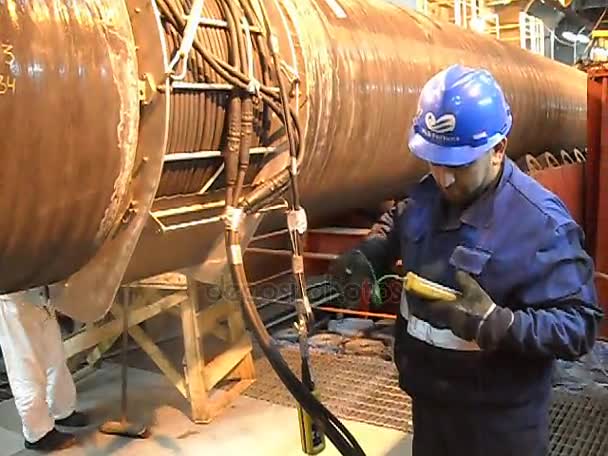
column 365, row 389
column 579, row 424
column 353, row 387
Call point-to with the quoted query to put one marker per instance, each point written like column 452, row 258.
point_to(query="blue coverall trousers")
column 447, row 430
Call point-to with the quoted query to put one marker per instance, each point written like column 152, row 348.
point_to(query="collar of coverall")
column 480, row 212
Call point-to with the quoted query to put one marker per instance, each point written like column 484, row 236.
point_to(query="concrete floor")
column 248, row 427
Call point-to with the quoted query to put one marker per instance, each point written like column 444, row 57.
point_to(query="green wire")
column 389, row 276
column 376, row 295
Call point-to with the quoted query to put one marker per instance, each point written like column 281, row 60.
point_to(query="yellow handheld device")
column 312, row 438
column 427, row 289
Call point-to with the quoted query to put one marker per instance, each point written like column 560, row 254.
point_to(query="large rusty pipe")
column 69, row 115
column 71, row 141
column 366, row 63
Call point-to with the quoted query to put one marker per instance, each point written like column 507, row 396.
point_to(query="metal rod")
column 203, row 86
column 126, row 296
column 278, row 252
column 210, row 22
column 357, row 312
column 187, row 41
column 211, row 180
column 180, row 226
column 283, row 300
column 270, row 277
column 343, row 231
column 274, row 207
column 204, row 154
column 269, row 235
column 199, row 207
column 162, row 213
column 293, row 314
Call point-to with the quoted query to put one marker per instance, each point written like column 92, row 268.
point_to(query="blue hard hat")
column 462, row 114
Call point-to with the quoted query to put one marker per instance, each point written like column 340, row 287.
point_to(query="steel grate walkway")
column 579, row 424
column 353, row 387
column 365, row 389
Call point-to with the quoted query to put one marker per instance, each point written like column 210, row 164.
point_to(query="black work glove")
column 473, row 316
column 349, row 272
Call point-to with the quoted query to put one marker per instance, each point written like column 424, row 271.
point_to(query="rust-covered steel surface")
column 596, row 190
column 361, row 64
column 69, row 116
column 568, row 183
column 366, row 63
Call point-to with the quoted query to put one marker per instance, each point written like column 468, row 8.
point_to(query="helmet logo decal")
column 444, row 124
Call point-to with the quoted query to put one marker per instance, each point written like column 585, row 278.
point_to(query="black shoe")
column 52, row 441
column 76, row 419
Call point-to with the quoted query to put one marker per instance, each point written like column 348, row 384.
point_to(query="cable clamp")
column 233, row 217
column 235, row 254
column 274, row 44
column 297, row 264
column 305, row 309
column 293, row 168
column 254, row 87
column 291, row 73
column 187, row 41
column 297, row 220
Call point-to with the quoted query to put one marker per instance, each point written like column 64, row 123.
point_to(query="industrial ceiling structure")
column 560, row 30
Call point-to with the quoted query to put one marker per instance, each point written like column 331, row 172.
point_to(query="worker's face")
column 462, row 184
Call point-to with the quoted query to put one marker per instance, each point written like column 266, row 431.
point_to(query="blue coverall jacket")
column 524, row 249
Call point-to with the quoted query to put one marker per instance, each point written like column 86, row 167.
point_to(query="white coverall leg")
column 35, row 362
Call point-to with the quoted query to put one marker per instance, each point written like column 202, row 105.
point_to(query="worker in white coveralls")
column 43, row 388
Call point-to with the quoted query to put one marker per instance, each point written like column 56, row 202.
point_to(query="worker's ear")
column 499, row 153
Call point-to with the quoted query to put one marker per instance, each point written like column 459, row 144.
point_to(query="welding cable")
column 333, row 428
column 234, row 19
column 296, row 153
column 264, row 53
column 228, row 73
column 233, row 136
column 198, row 119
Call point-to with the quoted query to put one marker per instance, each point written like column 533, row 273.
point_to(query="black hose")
column 331, row 426
column 233, row 137
column 234, row 24
column 229, row 74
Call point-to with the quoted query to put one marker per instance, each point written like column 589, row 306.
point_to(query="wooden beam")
column 221, row 365
column 159, row 359
column 90, row 338
column 208, row 317
column 197, row 391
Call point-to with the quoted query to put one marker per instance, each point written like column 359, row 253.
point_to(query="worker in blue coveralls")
column 478, row 369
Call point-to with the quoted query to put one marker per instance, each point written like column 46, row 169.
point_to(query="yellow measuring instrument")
column 427, row 289
column 311, row 436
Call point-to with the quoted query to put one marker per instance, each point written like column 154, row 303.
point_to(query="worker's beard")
column 469, row 187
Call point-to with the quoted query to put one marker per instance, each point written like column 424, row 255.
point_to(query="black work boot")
column 52, row 441
column 76, row 419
